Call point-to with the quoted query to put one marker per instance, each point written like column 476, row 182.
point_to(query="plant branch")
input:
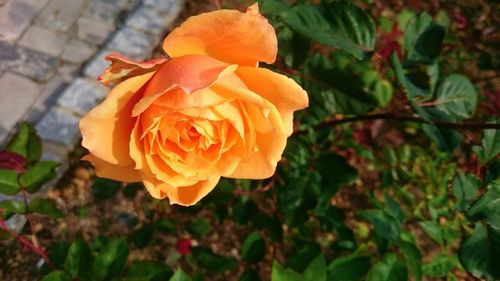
column 26, row 243
column 28, row 217
column 393, row 116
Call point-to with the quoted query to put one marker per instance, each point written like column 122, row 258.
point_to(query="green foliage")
column 37, row 175
column 349, row 268
column 26, row 143
column 151, row 271
column 315, row 271
column 480, row 252
column 216, row 263
column 46, row 207
column 390, row 268
column 341, row 25
column 253, row 248
column 57, row 276
column 423, row 39
column 490, row 147
column 465, row 187
column 78, row 259
column 110, row 261
column 9, row 182
column 105, row 188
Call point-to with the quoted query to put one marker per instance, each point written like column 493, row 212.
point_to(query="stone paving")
column 52, row 51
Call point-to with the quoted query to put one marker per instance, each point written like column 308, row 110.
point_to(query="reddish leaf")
column 12, row 161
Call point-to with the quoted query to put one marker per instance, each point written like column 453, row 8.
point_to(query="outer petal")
column 122, row 68
column 106, row 129
column 183, row 195
column 115, row 172
column 189, row 73
column 190, row 195
column 280, row 90
column 228, row 35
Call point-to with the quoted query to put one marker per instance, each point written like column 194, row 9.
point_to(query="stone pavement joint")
column 81, row 96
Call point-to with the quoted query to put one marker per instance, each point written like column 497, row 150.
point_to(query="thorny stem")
column 26, row 243
column 28, row 217
column 390, row 115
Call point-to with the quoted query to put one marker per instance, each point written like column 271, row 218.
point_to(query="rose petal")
column 107, row 127
column 189, row 73
column 227, row 35
column 123, row 68
column 115, row 172
column 269, row 144
column 280, row 90
column 190, row 195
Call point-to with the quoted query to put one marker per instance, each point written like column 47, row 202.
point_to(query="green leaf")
column 165, row 225
column 393, row 208
column 493, row 171
column 9, row 182
column 46, row 207
column 13, row 206
column 272, row 7
column 349, row 268
column 250, row 275
column 334, row 171
column 384, row 225
column 292, row 196
column 334, row 89
column 78, row 260
column 216, row 263
column 303, row 255
column 37, row 175
column 58, row 253
column 148, row 271
column 316, row 270
column 456, row 99
column 440, row 266
column 26, row 142
column 465, row 187
column 243, row 210
column 179, row 275
column 487, row 207
column 341, row 25
column 413, row 257
column 198, row 228
column 57, row 276
column 417, row 82
column 281, row 274
column 130, row 190
column 390, row 268
column 490, row 147
column 445, row 139
column 433, row 229
column 105, row 188
column 423, row 40
column 480, row 252
column 143, row 236
column 253, row 248
column 111, row 260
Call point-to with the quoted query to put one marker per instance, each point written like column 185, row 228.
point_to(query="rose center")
column 193, row 133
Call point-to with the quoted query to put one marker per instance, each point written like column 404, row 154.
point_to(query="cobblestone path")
column 52, row 51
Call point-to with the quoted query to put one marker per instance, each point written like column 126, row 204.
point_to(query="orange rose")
column 180, row 124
